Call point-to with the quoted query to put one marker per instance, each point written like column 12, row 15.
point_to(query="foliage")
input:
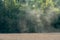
column 14, row 11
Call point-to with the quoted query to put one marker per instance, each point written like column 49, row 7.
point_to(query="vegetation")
column 17, row 16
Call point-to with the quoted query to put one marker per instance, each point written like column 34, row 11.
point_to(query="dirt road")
column 26, row 36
